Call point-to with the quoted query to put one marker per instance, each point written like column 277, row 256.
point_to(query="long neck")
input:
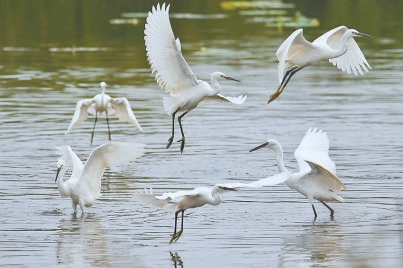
column 214, row 83
column 343, row 45
column 65, row 187
column 279, row 158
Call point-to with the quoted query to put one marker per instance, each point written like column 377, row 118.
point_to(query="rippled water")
column 254, row 228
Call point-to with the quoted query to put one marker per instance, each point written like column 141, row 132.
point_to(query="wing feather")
column 171, row 70
column 124, row 112
column 80, row 114
column 109, row 154
column 314, row 147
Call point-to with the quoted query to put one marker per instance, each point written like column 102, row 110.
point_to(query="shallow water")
column 39, row 86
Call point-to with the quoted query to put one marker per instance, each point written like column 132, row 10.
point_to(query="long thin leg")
column 173, row 129
column 283, row 83
column 176, row 235
column 93, row 128
column 183, row 135
column 109, row 130
column 314, row 212
column 331, row 210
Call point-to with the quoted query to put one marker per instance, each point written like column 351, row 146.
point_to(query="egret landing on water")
column 173, row 74
column 337, row 45
column 316, row 178
column 103, row 104
column 182, row 200
column 84, row 184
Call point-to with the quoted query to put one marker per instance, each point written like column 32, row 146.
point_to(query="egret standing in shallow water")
column 173, row 74
column 183, row 200
column 103, row 104
column 84, row 184
column 316, row 178
column 337, row 45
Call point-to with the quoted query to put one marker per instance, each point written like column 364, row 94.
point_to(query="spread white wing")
column 80, row 114
column 109, row 154
column 70, row 160
column 314, row 147
column 172, row 72
column 124, row 112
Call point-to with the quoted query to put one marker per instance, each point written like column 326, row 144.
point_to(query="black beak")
column 259, row 147
column 57, row 173
column 230, row 78
column 363, row 35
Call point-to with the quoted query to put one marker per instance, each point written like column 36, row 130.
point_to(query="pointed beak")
column 227, row 188
column 363, row 35
column 57, row 173
column 230, row 78
column 259, row 147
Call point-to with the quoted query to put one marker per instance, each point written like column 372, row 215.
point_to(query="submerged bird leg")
column 314, row 212
column 174, row 236
column 283, row 83
column 93, row 128
column 183, row 135
column 173, row 129
column 331, row 210
column 109, row 130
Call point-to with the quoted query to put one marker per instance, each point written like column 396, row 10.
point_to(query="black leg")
column 173, row 129
column 284, row 82
column 176, row 219
column 93, row 128
column 182, row 221
column 183, row 135
column 109, row 130
column 314, row 212
column 331, row 210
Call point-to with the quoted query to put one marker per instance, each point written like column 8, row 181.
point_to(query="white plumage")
column 181, row 200
column 337, row 45
column 84, row 184
column 172, row 72
column 316, row 178
column 103, row 104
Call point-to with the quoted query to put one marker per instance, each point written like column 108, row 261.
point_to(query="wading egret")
column 84, row 184
column 103, row 104
column 337, row 45
column 316, row 178
column 182, row 200
column 173, row 74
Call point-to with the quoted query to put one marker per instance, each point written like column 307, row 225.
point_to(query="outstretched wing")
column 109, row 154
column 148, row 198
column 353, row 61
column 70, row 160
column 124, row 112
column 269, row 181
column 314, row 147
column 236, row 100
column 80, row 114
column 172, row 72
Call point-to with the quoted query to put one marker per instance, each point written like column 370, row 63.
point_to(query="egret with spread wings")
column 337, row 45
column 316, row 178
column 182, row 200
column 84, row 184
column 174, row 75
column 103, row 104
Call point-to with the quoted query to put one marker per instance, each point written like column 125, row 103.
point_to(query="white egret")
column 103, row 104
column 182, row 200
column 84, row 184
column 172, row 72
column 316, row 178
column 337, row 45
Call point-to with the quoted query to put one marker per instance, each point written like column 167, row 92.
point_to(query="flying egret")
column 84, row 184
column 182, row 200
column 103, row 104
column 316, row 178
column 337, row 45
column 173, row 74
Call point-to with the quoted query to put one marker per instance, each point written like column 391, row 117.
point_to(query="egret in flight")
column 316, row 178
column 174, row 75
column 84, row 184
column 337, row 45
column 181, row 200
column 103, row 104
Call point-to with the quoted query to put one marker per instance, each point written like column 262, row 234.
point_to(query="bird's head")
column 356, row 33
column 271, row 144
column 59, row 165
column 219, row 75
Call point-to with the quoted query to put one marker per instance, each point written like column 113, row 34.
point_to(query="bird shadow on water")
column 176, row 259
column 319, row 243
